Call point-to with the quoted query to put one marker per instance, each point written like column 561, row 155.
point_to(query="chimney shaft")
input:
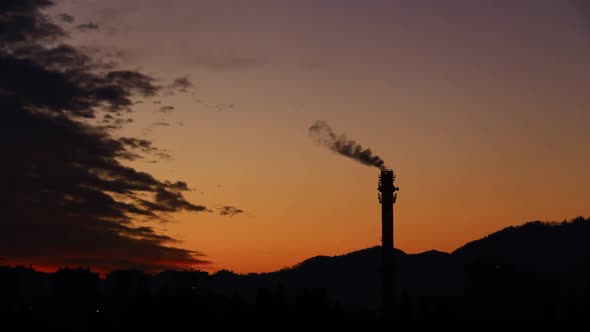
column 387, row 197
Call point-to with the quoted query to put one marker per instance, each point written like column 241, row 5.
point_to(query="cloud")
column 66, row 18
column 141, row 145
column 88, row 26
column 229, row 211
column 162, row 155
column 148, row 130
column 170, row 201
column 111, row 123
column 67, row 197
column 166, row 109
column 62, row 80
column 22, row 21
column 181, row 84
column 66, row 192
column 178, row 186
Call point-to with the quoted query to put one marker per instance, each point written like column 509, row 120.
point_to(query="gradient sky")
column 480, row 107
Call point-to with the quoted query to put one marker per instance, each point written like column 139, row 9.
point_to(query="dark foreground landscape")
column 535, row 271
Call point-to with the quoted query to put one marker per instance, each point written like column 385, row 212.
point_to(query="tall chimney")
column 387, row 196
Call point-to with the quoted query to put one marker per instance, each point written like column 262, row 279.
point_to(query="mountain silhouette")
column 559, row 250
column 539, row 270
column 519, row 271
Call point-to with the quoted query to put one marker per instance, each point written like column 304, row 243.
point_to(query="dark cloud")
column 66, row 191
column 165, row 124
column 60, row 79
column 178, row 186
column 166, row 109
column 66, row 18
column 88, row 26
column 66, row 196
column 142, row 145
column 181, row 84
column 56, row 58
column 171, row 201
column 21, row 21
column 112, row 123
column 156, row 102
column 229, row 211
column 133, row 81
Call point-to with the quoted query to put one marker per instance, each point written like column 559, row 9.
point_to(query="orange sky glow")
column 480, row 108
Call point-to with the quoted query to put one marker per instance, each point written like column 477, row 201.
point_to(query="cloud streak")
column 88, row 26
column 66, row 18
column 166, row 109
column 229, row 211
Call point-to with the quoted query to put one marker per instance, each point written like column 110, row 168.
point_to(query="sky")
column 480, row 107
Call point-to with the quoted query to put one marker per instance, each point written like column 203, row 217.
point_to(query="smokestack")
column 387, row 197
column 322, row 134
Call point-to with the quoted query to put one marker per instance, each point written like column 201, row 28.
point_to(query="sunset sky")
column 481, row 108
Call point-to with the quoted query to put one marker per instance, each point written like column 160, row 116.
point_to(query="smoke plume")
column 321, row 133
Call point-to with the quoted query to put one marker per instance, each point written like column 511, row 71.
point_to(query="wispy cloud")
column 166, row 109
column 229, row 211
column 88, row 26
